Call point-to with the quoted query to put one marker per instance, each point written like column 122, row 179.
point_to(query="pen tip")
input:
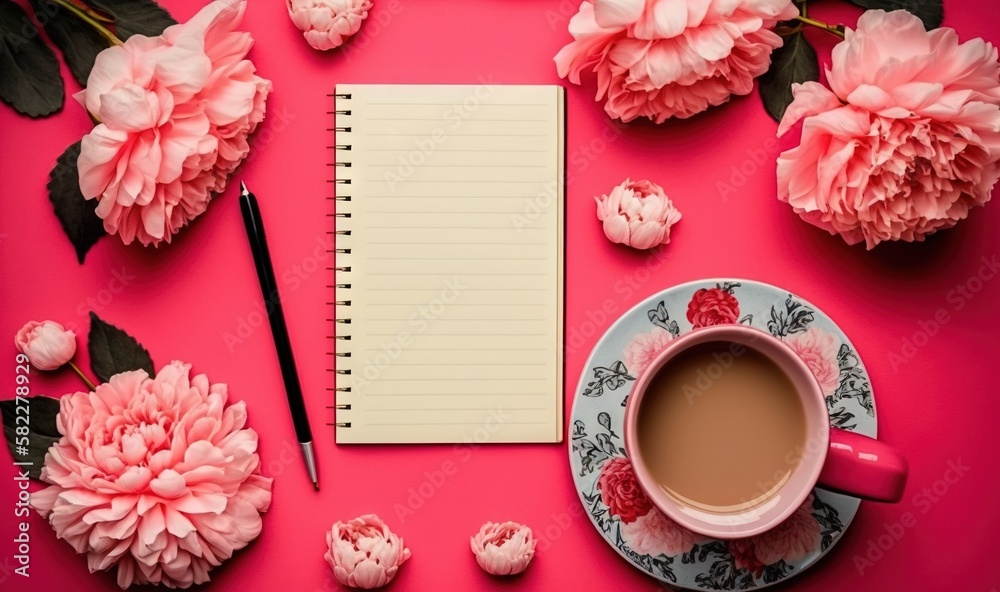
column 316, row 485
column 243, row 188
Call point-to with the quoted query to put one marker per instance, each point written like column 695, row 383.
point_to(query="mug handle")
column 863, row 467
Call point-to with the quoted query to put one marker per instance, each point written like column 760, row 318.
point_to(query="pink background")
column 939, row 405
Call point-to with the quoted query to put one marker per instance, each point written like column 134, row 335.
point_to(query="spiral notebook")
column 449, row 263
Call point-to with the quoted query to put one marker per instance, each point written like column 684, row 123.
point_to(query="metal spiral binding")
column 341, row 215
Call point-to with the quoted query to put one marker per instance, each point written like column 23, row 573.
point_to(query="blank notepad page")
column 451, row 274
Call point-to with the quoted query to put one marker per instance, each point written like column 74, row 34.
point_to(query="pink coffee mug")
column 833, row 459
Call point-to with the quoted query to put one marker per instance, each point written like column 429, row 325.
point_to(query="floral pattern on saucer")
column 619, row 509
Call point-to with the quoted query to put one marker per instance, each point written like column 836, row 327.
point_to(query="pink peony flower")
column 819, row 350
column 712, row 306
column 907, row 141
column 637, row 214
column 620, row 490
column 671, row 58
column 327, row 24
column 639, row 352
column 655, row 534
column 504, row 549
column 789, row 541
column 156, row 477
column 175, row 112
column 47, row 344
column 364, row 553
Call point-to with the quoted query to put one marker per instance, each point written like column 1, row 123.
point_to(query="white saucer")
column 643, row 536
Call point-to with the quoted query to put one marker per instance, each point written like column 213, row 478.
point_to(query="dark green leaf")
column 40, row 413
column 75, row 213
column 131, row 17
column 795, row 61
column 931, row 12
column 113, row 351
column 29, row 72
column 79, row 43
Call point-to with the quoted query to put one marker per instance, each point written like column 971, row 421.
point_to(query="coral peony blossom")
column 655, row 534
column 156, row 477
column 639, row 352
column 671, row 58
column 364, row 553
column 789, row 541
column 712, row 306
column 47, row 344
column 637, row 214
column 819, row 350
column 504, row 549
column 175, row 113
column 905, row 143
column 620, row 490
column 327, row 24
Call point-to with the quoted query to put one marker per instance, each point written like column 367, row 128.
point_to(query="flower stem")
column 835, row 29
column 83, row 15
column 77, row 369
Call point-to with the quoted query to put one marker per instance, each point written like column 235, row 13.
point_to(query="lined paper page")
column 456, row 263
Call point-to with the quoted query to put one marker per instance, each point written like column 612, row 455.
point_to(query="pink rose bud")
column 364, row 553
column 637, row 214
column 327, row 24
column 504, row 549
column 47, row 344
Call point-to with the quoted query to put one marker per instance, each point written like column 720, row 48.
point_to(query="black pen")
column 272, row 302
